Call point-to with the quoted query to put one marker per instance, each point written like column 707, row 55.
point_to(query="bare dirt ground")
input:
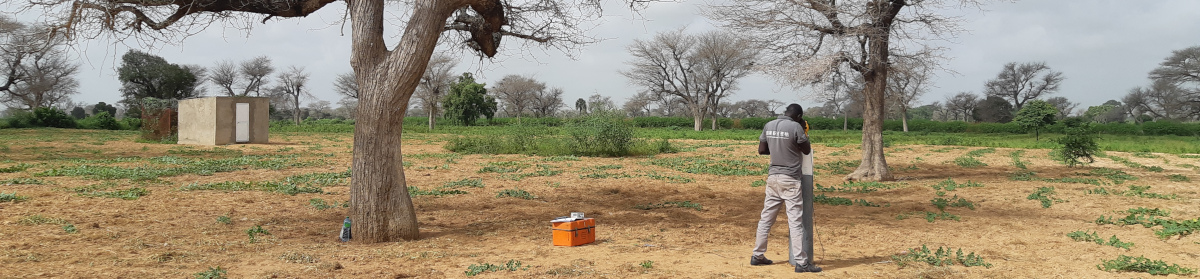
column 172, row 233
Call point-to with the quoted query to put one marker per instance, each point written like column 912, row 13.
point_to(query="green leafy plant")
column 943, row 256
column 23, row 181
column 224, row 219
column 1117, row 176
column 515, row 193
column 256, row 231
column 855, row 187
column 1178, row 178
column 320, row 204
column 70, row 228
column 12, row 197
column 16, row 168
column 1149, row 218
column 1016, row 159
column 930, row 216
column 266, row 186
column 647, row 264
column 1094, row 237
column 706, row 165
column 968, row 162
column 511, row 265
column 465, row 182
column 758, row 183
column 211, row 273
column 1035, row 115
column 1046, row 196
column 950, row 185
column 942, row 203
column 822, row 199
column 1125, row 263
column 415, row 191
column 670, row 178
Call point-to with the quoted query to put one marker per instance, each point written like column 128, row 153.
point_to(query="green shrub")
column 1046, row 196
column 12, row 197
column 1078, row 143
column 41, row 117
column 100, row 121
column 941, row 257
column 1142, row 264
column 600, row 135
column 516, row 193
column 211, row 273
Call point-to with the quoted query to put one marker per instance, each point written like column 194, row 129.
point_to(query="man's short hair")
column 794, row 111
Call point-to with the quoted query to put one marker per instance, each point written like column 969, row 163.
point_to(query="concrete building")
column 223, row 120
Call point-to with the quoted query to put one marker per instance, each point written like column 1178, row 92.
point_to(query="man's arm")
column 804, row 147
column 763, row 149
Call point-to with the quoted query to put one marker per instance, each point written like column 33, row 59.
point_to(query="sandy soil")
column 174, row 234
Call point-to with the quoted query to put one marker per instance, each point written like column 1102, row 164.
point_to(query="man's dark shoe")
column 807, row 268
column 760, row 260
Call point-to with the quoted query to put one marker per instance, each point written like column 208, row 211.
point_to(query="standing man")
column 786, row 140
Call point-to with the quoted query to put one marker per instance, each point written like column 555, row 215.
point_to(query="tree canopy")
column 1035, row 115
column 468, row 100
column 146, row 75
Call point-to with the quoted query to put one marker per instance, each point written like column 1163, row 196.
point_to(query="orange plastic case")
column 574, row 233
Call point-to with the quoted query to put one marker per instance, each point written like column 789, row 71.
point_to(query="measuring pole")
column 806, row 194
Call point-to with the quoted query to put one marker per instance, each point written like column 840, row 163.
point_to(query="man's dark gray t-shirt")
column 784, row 136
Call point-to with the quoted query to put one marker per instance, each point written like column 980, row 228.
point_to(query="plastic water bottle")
column 345, row 230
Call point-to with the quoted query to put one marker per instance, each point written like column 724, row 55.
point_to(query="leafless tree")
column 434, row 84
column 255, row 73
column 1063, row 105
column 224, row 75
column 723, row 59
column 37, row 70
column 517, row 93
column 346, row 85
column 808, row 41
column 293, row 86
column 546, row 102
column 1163, row 99
column 240, row 79
column 753, row 108
column 1020, row 83
column 961, row 105
column 909, row 80
column 387, row 75
column 1182, row 71
column 700, row 70
column 600, row 103
column 639, row 104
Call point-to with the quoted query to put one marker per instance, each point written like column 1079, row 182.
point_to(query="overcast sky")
column 1104, row 48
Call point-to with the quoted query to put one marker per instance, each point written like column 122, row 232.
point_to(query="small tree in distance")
column 1035, row 115
column 467, row 101
column 1079, row 143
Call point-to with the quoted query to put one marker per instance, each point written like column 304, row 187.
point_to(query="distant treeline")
column 755, row 123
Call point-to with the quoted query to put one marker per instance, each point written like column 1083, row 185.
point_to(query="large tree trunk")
column 296, row 109
column 873, row 166
column 430, row 119
column 697, row 118
column 380, row 206
column 904, row 118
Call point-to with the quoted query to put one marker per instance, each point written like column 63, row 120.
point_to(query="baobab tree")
column 807, row 41
column 1020, row 83
column 387, row 75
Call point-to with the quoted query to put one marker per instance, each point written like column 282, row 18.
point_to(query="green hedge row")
column 54, row 118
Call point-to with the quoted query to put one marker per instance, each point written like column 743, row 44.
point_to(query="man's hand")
column 763, row 149
column 805, row 147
